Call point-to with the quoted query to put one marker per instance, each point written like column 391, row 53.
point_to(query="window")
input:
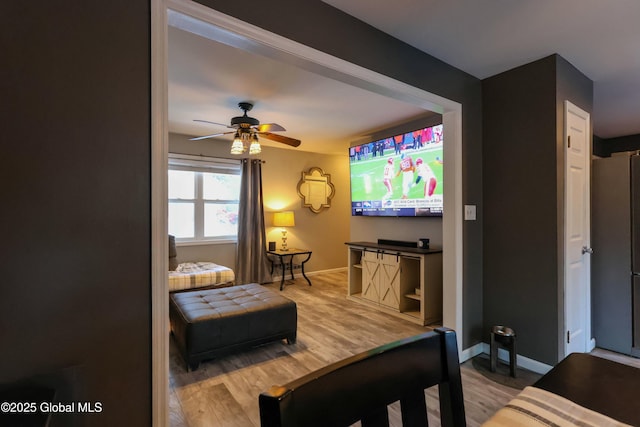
column 204, row 194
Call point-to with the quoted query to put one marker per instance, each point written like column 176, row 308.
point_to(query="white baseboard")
column 330, row 270
column 523, row 362
column 471, row 352
column 308, row 273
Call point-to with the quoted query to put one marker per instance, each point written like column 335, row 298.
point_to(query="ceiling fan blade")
column 270, row 127
column 209, row 136
column 279, row 138
column 211, row 123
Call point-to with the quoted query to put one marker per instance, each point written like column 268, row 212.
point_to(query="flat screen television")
column 398, row 176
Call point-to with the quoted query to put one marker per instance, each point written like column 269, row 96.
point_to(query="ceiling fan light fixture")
column 246, row 130
column 255, row 148
column 237, row 147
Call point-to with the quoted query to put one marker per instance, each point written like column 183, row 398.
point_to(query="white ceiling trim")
column 198, row 19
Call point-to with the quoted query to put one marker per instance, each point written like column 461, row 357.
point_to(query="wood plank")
column 224, row 392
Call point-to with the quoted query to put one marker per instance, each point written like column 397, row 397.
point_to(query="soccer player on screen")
column 406, row 169
column 426, row 174
column 387, row 176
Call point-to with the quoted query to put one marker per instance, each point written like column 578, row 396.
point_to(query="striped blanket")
column 193, row 275
column 535, row 407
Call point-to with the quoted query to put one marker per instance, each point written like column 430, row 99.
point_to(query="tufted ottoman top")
column 203, row 305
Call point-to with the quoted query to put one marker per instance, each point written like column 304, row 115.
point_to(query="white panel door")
column 577, row 285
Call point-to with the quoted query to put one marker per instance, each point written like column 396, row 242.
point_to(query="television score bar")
column 398, row 207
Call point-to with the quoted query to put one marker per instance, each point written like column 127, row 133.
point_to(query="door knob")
column 586, row 250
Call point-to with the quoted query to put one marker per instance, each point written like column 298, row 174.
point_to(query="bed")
column 582, row 390
column 199, row 275
column 196, row 275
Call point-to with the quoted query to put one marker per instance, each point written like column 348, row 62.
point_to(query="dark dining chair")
column 360, row 387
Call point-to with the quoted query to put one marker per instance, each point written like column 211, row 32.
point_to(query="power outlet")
column 469, row 212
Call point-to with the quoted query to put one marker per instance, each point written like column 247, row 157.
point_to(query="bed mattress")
column 195, row 275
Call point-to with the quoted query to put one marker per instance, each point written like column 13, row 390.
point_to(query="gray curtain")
column 252, row 265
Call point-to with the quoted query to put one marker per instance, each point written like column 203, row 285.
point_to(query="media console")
column 403, row 281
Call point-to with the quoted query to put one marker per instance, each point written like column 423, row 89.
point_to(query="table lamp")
column 284, row 219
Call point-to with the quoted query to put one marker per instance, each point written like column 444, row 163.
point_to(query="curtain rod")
column 244, row 159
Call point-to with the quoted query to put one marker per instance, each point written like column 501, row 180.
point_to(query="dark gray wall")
column 523, row 189
column 75, row 289
column 600, row 148
column 520, row 238
column 327, row 29
column 615, row 145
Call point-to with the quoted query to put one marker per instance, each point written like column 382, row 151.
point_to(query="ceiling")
column 484, row 38
column 207, row 79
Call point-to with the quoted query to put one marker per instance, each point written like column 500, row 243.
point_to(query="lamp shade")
column 284, row 219
column 237, row 147
column 255, row 148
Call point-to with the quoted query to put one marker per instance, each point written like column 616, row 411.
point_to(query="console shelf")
column 386, row 277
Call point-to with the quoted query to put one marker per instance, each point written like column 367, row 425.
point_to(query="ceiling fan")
column 247, row 129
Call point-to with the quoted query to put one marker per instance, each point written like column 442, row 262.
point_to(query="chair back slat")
column 414, row 409
column 450, row 392
column 378, row 418
column 360, row 387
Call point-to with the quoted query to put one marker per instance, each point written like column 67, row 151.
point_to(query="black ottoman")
column 215, row 322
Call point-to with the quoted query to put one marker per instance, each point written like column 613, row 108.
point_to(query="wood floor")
column 224, row 392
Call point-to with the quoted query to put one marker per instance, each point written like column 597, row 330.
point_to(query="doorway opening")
column 209, row 23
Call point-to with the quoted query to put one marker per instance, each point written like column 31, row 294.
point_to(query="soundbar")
column 402, row 243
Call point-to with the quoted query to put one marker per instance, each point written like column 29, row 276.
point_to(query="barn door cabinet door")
column 390, row 280
column 405, row 283
column 371, row 276
column 381, row 278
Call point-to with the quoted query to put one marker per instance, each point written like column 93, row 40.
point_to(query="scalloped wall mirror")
column 315, row 189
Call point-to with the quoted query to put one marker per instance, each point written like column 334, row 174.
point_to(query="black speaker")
column 402, row 243
column 423, row 243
